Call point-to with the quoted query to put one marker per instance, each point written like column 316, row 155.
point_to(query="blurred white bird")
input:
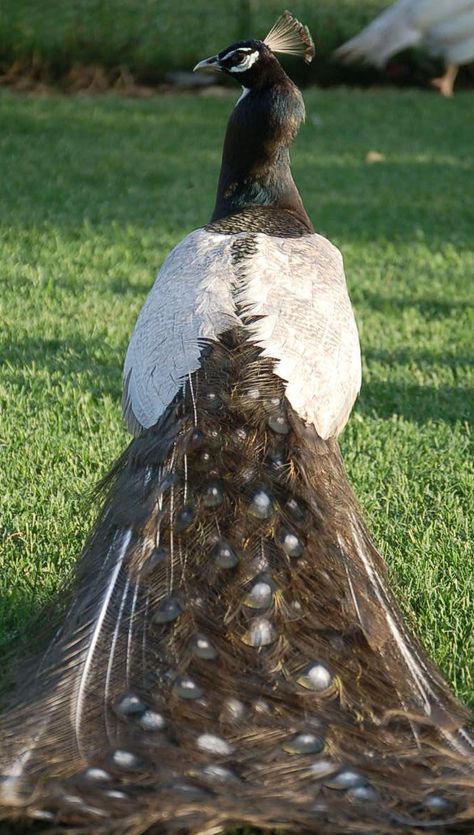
column 443, row 27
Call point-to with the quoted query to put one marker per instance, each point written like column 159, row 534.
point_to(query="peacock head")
column 249, row 62
column 252, row 62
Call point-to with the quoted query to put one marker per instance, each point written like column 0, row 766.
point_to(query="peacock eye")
column 239, row 57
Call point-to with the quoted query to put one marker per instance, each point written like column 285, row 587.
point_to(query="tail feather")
column 86, row 664
column 232, row 652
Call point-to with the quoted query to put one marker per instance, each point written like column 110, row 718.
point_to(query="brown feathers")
column 289, row 36
column 232, row 653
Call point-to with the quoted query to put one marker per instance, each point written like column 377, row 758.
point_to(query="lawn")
column 94, row 192
column 157, row 35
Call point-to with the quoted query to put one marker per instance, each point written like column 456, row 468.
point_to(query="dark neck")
column 255, row 167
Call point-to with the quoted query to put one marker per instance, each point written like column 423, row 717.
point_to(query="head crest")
column 288, row 35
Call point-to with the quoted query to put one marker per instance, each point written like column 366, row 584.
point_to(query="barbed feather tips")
column 291, row 37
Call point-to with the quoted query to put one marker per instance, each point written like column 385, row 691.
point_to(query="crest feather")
column 289, row 36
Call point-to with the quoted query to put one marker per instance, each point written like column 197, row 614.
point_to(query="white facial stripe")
column 240, row 49
column 247, row 63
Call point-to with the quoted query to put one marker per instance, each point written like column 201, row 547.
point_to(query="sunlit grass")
column 96, row 191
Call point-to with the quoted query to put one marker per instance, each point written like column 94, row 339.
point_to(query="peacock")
column 444, row 27
column 229, row 651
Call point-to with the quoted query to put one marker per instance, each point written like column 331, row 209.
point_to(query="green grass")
column 96, row 191
column 158, row 35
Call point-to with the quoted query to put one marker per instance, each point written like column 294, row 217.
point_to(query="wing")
column 396, row 28
column 407, row 23
column 189, row 304
column 297, row 290
column 294, row 287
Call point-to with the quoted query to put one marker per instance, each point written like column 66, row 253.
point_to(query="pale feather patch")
column 10, row 785
column 415, row 665
column 189, row 305
column 227, row 55
column 289, row 36
column 297, row 289
column 439, row 27
column 130, row 642
column 111, row 658
column 81, row 690
column 387, row 34
column 247, row 63
column 245, row 92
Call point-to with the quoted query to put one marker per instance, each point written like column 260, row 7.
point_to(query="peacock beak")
column 208, row 65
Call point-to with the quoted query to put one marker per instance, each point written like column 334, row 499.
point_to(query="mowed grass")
column 154, row 37
column 94, row 192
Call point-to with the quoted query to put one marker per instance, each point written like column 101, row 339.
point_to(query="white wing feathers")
column 410, row 23
column 391, row 31
column 296, row 287
column 189, row 303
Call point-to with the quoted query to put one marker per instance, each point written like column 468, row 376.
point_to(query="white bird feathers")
column 294, row 291
column 444, row 27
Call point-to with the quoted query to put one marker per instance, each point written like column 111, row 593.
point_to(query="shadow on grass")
column 348, row 206
column 98, row 365
column 100, row 371
column 27, row 624
column 155, row 166
column 429, row 308
column 419, row 404
column 402, row 356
